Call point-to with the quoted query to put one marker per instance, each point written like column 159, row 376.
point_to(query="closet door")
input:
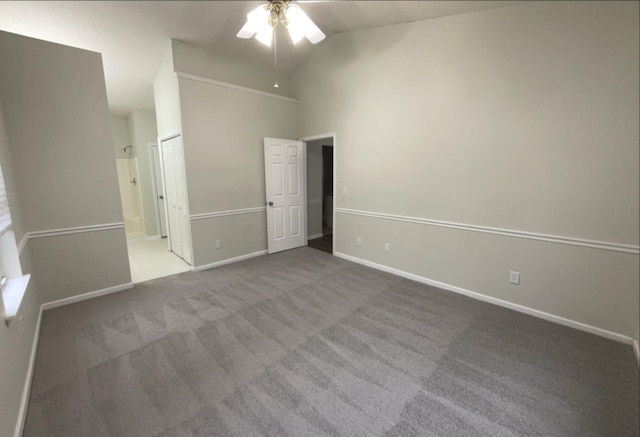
column 183, row 204
column 176, row 197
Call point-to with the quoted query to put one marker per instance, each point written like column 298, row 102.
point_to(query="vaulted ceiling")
column 134, row 35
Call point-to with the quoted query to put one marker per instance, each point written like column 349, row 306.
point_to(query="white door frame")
column 335, row 144
column 164, row 181
column 154, row 180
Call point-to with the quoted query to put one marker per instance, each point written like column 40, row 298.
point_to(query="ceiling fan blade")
column 265, row 35
column 301, row 25
column 314, row 34
column 256, row 21
column 296, row 23
column 248, row 30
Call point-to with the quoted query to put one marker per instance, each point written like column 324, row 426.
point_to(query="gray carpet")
column 304, row 344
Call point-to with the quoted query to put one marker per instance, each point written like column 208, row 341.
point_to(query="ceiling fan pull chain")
column 275, row 55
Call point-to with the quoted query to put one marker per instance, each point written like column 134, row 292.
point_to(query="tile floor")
column 151, row 259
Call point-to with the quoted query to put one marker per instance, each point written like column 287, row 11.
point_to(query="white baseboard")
column 85, row 296
column 311, row 237
column 24, row 402
column 228, row 261
column 503, row 303
column 22, row 412
column 636, row 350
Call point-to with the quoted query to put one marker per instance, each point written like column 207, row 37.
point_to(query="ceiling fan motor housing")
column 277, row 12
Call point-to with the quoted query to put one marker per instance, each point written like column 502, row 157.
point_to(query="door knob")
column 270, row 203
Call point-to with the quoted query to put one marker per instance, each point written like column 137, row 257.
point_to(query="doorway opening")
column 150, row 256
column 138, row 165
column 320, row 192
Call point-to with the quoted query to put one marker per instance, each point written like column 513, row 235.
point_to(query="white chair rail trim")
column 67, row 231
column 604, row 245
column 209, row 215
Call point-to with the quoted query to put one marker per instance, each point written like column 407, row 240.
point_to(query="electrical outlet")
column 218, row 244
column 514, row 277
column 358, row 241
column 387, row 247
column 344, row 191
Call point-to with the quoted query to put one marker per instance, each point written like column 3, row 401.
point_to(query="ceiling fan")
column 265, row 18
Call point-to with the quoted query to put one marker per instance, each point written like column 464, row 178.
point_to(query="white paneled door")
column 176, row 198
column 286, row 193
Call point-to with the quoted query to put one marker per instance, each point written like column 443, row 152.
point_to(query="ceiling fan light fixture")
column 262, row 20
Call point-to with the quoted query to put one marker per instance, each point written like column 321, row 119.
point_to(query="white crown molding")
column 228, row 261
column 233, row 86
column 209, row 215
column 75, row 230
column 604, row 245
column 621, row 338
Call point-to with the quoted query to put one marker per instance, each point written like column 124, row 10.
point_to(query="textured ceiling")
column 133, row 35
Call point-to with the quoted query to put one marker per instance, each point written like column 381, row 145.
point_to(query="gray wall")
column 223, row 131
column 62, row 143
column 167, row 97
column 63, row 150
column 15, row 339
column 57, row 156
column 193, row 60
column 223, row 145
column 523, row 118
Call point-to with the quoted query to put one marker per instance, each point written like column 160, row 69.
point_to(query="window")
column 5, row 215
column 13, row 284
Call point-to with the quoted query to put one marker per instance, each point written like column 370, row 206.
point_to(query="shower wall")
column 129, row 183
column 128, row 171
column 142, row 131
